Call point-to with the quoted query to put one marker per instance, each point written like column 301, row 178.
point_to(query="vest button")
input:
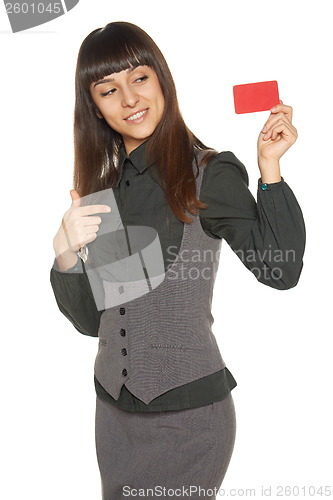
column 122, row 332
column 123, row 351
column 122, row 310
column 128, row 183
column 124, row 372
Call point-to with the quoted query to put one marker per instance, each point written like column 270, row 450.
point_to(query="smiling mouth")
column 137, row 115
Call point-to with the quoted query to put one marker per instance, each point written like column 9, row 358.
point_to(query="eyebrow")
column 109, row 80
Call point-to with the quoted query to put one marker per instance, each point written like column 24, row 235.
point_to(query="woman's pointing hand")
column 78, row 226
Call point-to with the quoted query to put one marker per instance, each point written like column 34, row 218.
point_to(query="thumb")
column 75, row 198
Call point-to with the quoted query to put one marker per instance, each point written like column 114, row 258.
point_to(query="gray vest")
column 163, row 339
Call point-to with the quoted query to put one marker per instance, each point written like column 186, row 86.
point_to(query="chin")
column 143, row 135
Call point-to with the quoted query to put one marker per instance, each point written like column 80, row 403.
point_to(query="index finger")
column 288, row 110
column 94, row 209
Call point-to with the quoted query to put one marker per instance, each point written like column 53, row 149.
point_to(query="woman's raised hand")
column 78, row 227
column 278, row 134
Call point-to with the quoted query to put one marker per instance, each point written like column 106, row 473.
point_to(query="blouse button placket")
column 122, row 332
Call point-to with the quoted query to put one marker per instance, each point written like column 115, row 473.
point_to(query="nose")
column 129, row 97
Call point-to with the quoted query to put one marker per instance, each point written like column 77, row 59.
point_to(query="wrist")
column 66, row 261
column 60, row 244
column 269, row 170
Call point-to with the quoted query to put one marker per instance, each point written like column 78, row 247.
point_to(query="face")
column 131, row 102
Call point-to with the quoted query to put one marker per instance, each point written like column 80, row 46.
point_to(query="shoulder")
column 225, row 165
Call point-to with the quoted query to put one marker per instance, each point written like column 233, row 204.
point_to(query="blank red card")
column 253, row 97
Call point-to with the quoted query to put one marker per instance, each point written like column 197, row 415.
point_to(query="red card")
column 252, row 97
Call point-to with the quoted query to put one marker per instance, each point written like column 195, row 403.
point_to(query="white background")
column 276, row 343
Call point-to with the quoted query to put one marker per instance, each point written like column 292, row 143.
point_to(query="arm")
column 68, row 277
column 267, row 236
column 74, row 297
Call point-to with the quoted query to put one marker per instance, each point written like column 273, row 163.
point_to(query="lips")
column 137, row 115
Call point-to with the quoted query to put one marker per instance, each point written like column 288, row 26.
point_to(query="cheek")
column 159, row 100
column 111, row 113
column 162, row 104
column 113, row 118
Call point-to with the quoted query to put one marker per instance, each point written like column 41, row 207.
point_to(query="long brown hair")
column 172, row 146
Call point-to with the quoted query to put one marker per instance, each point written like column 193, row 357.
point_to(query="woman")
column 165, row 416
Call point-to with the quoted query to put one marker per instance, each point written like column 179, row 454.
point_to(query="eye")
column 108, row 92
column 142, row 78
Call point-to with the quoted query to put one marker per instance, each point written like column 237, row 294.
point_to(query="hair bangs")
column 109, row 50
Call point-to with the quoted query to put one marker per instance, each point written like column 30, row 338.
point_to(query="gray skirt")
column 166, row 454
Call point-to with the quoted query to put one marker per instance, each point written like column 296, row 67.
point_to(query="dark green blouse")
column 254, row 231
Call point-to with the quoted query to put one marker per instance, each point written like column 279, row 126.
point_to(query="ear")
column 97, row 111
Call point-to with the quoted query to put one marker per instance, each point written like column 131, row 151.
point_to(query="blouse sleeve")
column 268, row 236
column 75, row 299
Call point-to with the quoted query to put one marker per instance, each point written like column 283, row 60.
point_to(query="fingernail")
column 264, row 129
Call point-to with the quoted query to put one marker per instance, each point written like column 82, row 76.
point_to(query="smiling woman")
column 131, row 102
column 121, row 72
column 165, row 416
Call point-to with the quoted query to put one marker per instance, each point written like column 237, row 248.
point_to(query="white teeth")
column 138, row 115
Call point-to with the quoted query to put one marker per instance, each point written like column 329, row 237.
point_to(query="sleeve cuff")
column 76, row 269
column 269, row 186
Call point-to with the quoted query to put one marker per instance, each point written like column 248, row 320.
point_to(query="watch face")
column 83, row 253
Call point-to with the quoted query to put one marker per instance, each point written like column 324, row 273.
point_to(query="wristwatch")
column 83, row 253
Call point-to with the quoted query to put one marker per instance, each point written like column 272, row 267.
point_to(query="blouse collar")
column 137, row 157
